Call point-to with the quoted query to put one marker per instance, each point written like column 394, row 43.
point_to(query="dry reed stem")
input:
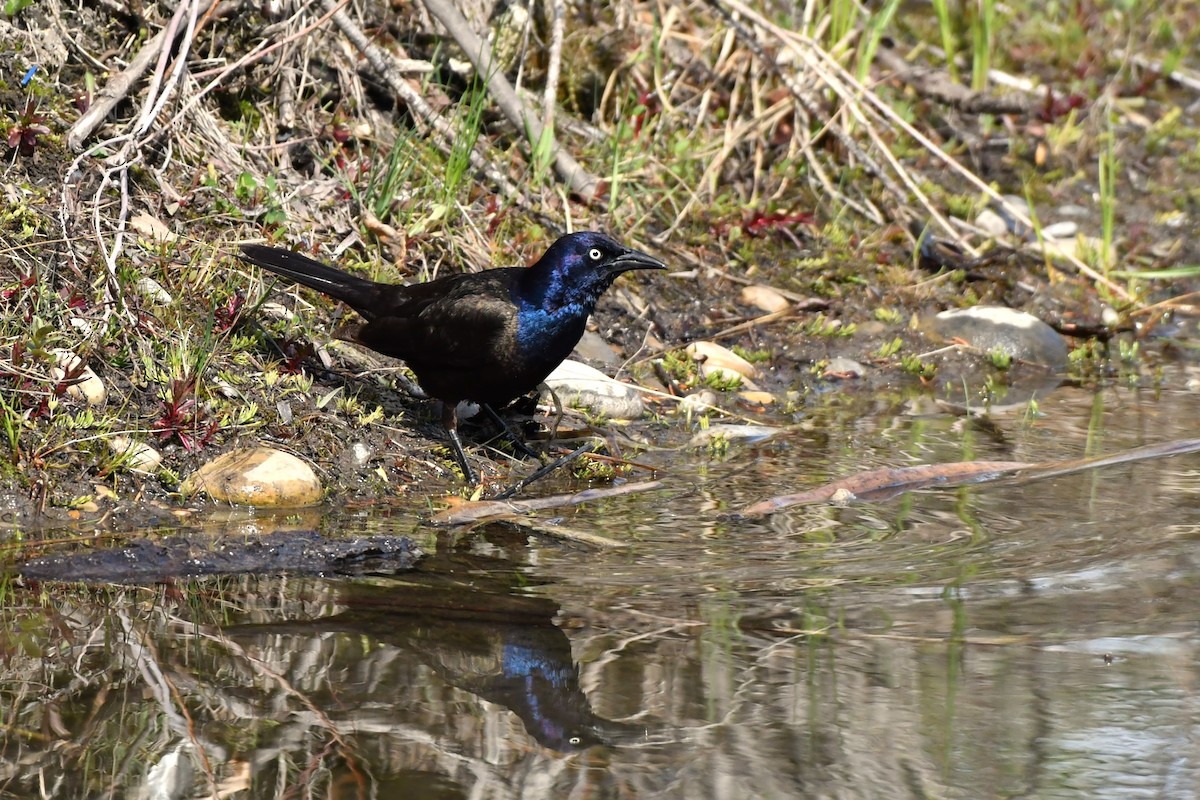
column 479, row 53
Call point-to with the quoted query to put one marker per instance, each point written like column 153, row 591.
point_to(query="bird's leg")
column 450, row 423
column 514, row 437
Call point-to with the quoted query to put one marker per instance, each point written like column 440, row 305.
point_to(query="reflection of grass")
column 1107, row 181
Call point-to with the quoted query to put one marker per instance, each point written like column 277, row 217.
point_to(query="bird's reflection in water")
column 466, row 616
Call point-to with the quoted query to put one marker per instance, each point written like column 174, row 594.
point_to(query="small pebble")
column 722, row 362
column 697, row 404
column 86, row 386
column 765, row 298
column 139, row 456
column 991, row 223
column 844, row 368
column 1060, row 230
column 360, row 454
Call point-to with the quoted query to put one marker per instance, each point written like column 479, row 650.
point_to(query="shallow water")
column 995, row 640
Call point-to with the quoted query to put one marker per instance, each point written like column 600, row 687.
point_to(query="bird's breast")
column 549, row 336
column 537, row 327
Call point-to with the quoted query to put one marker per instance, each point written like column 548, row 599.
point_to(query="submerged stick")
column 878, row 484
column 481, row 510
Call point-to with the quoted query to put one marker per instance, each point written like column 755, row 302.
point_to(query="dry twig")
column 580, row 181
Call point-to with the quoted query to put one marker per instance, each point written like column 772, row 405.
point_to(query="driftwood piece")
column 880, row 484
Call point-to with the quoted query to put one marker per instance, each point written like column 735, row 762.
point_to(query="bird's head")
column 577, row 269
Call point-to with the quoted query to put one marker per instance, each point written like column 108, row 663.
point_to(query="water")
column 1018, row 640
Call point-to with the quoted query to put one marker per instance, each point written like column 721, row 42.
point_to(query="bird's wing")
column 454, row 324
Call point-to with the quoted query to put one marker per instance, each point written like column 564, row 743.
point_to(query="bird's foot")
column 517, row 440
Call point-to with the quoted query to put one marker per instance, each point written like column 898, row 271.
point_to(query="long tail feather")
column 350, row 289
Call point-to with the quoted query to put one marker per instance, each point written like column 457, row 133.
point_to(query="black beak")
column 633, row 259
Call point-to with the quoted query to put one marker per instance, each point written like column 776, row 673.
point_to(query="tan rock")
column 259, row 476
column 718, row 360
column 85, row 386
column 756, row 398
column 765, row 298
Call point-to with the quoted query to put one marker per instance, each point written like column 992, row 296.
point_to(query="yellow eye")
column 594, row 254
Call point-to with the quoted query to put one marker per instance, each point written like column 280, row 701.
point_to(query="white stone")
column 579, row 385
column 139, row 456
column 85, row 386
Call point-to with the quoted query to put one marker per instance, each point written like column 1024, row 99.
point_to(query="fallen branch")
column 880, row 484
column 938, row 86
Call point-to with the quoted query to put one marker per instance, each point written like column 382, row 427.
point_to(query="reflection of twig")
column 165, row 692
column 362, row 721
column 260, row 667
column 478, row 511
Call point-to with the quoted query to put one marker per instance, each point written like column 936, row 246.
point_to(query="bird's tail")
column 350, row 289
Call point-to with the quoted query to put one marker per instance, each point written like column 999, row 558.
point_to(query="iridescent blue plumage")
column 487, row 336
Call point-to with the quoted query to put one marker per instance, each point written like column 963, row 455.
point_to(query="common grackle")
column 487, row 336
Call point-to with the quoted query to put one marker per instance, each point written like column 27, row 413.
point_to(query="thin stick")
column 384, row 65
column 569, row 170
column 550, row 98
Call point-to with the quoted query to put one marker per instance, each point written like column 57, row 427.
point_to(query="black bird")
column 489, row 336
